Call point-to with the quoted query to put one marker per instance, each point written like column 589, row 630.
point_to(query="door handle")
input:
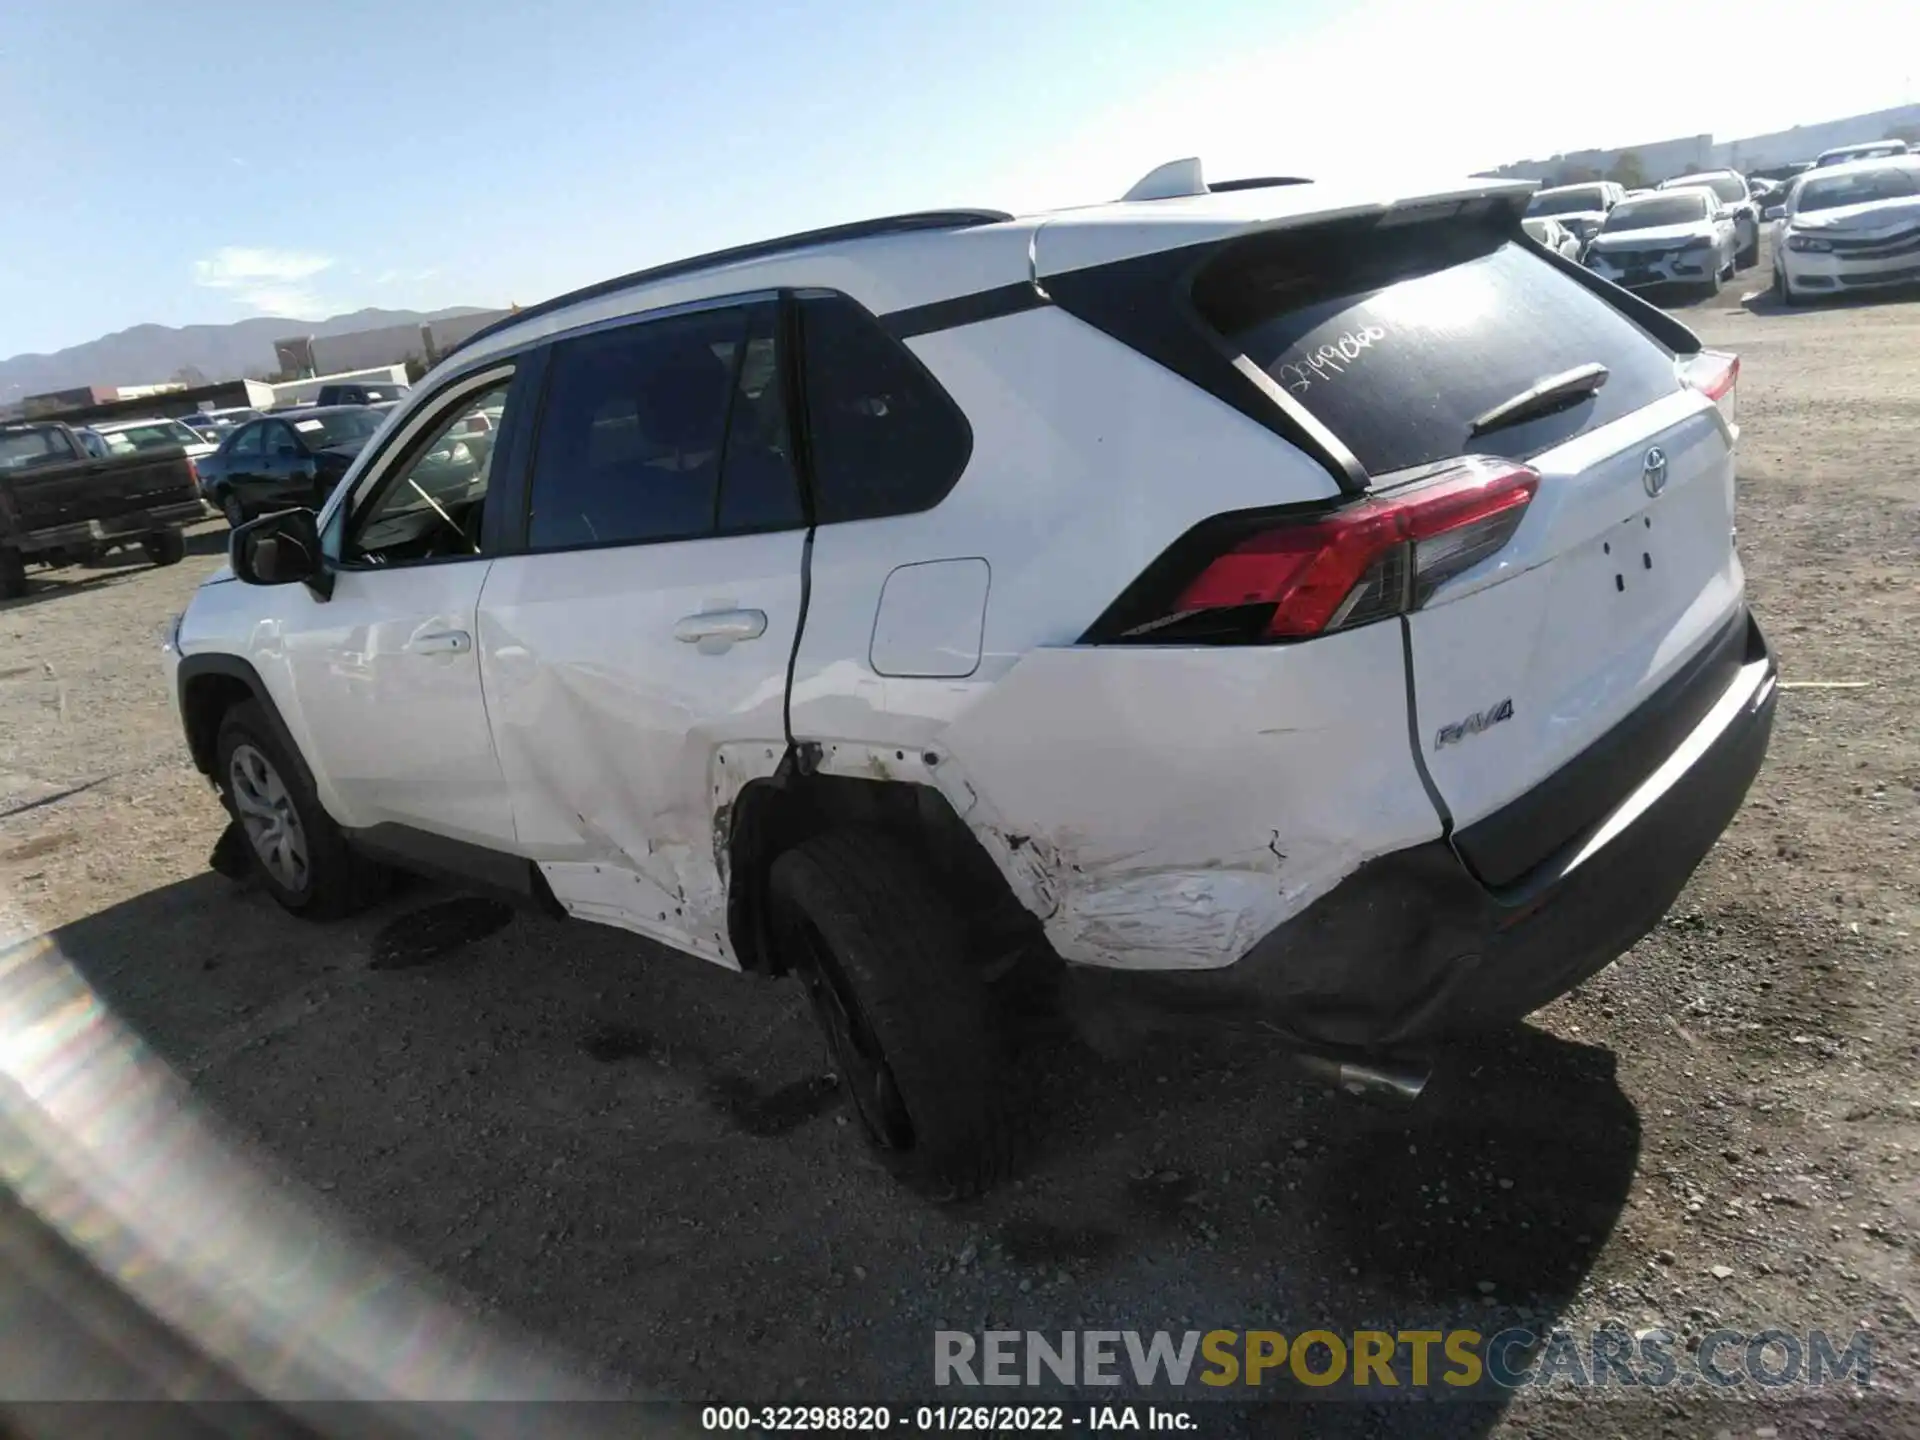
column 441, row 642
column 721, row 627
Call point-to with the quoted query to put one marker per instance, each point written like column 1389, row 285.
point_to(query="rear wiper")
column 1548, row 395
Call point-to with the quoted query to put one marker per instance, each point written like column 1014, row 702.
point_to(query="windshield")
column 337, row 427
column 1567, row 202
column 1727, row 187
column 1859, row 188
column 1678, row 208
column 152, row 435
column 24, row 449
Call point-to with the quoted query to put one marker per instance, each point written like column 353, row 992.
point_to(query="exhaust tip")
column 1396, row 1080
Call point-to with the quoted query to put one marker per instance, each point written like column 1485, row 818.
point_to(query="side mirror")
column 1775, row 212
column 280, row 549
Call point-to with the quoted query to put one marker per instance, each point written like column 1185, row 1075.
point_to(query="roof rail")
column 757, row 250
column 1260, row 182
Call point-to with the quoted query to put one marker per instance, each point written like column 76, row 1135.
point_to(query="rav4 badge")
column 1473, row 724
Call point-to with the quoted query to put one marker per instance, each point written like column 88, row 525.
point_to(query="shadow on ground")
column 643, row 1158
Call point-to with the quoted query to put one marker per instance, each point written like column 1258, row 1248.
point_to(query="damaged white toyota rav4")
column 1279, row 604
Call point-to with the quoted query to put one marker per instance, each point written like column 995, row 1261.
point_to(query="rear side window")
column 885, row 438
column 640, row 424
column 1396, row 338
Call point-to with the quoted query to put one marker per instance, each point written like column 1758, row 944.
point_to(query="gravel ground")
column 639, row 1156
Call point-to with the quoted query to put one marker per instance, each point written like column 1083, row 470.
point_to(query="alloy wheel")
column 268, row 815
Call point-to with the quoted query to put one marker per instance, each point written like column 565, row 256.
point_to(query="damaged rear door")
column 650, row 619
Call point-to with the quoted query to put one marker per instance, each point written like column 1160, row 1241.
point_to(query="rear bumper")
column 130, row 525
column 1418, row 945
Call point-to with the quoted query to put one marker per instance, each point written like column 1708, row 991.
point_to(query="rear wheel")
column 297, row 851
column 13, row 574
column 168, row 547
column 907, row 1019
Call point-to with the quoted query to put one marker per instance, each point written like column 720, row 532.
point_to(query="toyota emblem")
column 1653, row 471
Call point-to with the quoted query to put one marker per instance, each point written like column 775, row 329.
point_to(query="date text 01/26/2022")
column 962, row 1419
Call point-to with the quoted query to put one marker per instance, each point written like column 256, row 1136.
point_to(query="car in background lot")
column 1409, row 708
column 1552, row 234
column 1871, row 150
column 1674, row 237
column 1581, row 208
column 126, row 437
column 357, row 393
column 61, row 504
column 1731, row 190
column 214, row 424
column 281, row 461
column 1848, row 228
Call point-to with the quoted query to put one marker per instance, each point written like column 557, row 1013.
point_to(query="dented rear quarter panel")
column 1183, row 802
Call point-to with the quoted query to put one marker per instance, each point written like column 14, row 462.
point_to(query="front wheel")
column 168, row 547
column 907, row 1019
column 13, row 574
column 230, row 507
column 1783, row 288
column 297, row 852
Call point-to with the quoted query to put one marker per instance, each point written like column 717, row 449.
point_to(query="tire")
column 230, row 507
column 908, row 1021
column 294, row 848
column 168, row 547
column 1784, row 290
column 13, row 574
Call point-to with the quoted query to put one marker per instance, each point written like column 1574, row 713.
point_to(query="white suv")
column 1279, row 602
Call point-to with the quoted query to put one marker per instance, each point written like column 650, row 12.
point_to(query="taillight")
column 1253, row 577
column 1715, row 374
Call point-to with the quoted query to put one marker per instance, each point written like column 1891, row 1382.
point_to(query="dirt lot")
column 638, row 1155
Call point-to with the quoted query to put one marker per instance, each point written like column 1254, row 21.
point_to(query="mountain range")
column 149, row 354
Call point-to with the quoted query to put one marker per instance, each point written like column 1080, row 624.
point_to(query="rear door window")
column 1397, row 337
column 667, row 429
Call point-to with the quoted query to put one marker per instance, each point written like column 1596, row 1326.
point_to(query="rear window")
column 1567, row 202
column 1396, row 338
column 25, row 449
column 1683, row 208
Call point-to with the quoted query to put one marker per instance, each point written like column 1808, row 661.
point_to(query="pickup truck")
column 61, row 505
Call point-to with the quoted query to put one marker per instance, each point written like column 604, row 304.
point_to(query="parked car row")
column 1694, row 230
column 1848, row 219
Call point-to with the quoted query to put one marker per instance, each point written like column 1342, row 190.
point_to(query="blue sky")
column 191, row 162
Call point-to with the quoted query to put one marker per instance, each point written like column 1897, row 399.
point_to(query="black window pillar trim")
column 503, row 523
column 1146, row 304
